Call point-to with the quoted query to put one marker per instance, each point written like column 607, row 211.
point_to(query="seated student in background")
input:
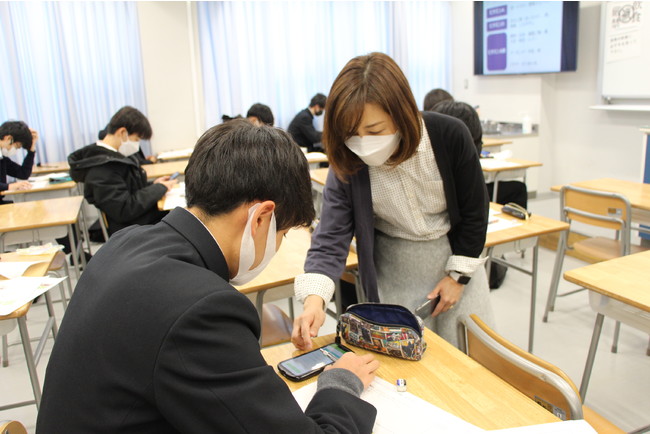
column 156, row 340
column 302, row 127
column 434, row 97
column 260, row 114
column 509, row 191
column 113, row 180
column 13, row 136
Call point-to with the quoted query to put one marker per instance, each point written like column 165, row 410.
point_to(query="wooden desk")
column 52, row 187
column 165, row 169
column 32, row 359
column 637, row 193
column 276, row 281
column 46, row 168
column 518, row 238
column 447, row 378
column 179, row 154
column 495, row 143
column 499, row 170
column 46, row 213
column 618, row 288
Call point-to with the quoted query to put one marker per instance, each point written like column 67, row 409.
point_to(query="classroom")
column 567, row 121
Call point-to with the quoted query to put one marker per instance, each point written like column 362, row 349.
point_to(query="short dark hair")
column 318, row 99
column 133, row 120
column 377, row 79
column 237, row 162
column 465, row 113
column 434, row 97
column 19, row 131
column 261, row 112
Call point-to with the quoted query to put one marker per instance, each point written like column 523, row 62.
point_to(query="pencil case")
column 385, row 328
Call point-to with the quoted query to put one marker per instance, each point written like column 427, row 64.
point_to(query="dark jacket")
column 11, row 168
column 303, row 132
column 117, row 185
column 155, row 340
column 347, row 207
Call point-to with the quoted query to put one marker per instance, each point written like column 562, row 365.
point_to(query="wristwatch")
column 460, row 278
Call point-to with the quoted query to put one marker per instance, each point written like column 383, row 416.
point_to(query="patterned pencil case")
column 386, row 328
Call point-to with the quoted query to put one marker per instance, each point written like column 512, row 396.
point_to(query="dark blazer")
column 303, row 132
column 11, row 168
column 155, row 340
column 118, row 186
column 347, row 207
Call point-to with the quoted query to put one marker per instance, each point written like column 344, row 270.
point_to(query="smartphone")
column 174, row 175
column 309, row 364
column 425, row 310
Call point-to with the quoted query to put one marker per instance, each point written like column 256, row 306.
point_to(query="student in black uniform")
column 15, row 135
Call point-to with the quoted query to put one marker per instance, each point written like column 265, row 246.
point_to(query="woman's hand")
column 20, row 185
column 450, row 293
column 306, row 326
column 34, row 139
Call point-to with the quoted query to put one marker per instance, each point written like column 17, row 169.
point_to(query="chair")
column 276, row 325
column 12, row 427
column 541, row 381
column 605, row 210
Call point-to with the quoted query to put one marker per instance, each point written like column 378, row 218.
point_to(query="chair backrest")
column 12, row 427
column 541, row 381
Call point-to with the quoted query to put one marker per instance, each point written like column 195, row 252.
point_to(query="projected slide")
column 522, row 37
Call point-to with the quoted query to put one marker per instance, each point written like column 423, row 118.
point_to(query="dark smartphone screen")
column 311, row 363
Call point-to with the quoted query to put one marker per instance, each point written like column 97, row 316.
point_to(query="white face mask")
column 129, row 147
column 9, row 152
column 247, row 251
column 374, row 150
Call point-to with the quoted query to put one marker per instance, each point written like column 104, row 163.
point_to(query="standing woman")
column 410, row 188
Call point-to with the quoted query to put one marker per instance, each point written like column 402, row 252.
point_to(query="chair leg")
column 617, row 331
column 50, row 311
column 29, row 357
column 647, row 352
column 5, row 351
column 557, row 270
column 67, row 278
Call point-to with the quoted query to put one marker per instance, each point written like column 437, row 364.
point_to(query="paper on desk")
column 16, row 292
column 175, row 197
column 566, row 427
column 13, row 269
column 491, row 163
column 399, row 412
column 179, row 153
column 499, row 224
column 40, row 250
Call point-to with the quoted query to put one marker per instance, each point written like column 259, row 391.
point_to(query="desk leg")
column 598, row 326
column 73, row 251
column 533, row 298
column 29, row 357
column 496, row 187
column 557, row 271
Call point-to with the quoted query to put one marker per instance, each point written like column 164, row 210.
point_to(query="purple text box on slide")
column 497, row 25
column 497, row 11
column 497, row 52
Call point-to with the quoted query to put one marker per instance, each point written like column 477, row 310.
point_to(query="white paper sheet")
column 492, row 163
column 566, row 427
column 16, row 292
column 175, row 197
column 179, row 153
column 13, row 269
column 499, row 224
column 400, row 412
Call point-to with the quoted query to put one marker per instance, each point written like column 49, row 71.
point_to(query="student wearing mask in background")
column 260, row 114
column 113, row 180
column 15, row 135
column 410, row 188
column 302, row 126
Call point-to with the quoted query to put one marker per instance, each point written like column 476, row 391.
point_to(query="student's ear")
column 262, row 216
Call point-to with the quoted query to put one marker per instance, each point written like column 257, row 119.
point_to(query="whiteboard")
column 626, row 49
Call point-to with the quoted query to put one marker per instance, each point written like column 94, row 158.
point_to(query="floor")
column 620, row 383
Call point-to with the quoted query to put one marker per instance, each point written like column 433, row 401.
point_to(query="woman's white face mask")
column 247, row 251
column 374, row 150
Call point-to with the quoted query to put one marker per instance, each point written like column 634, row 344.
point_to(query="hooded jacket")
column 117, row 185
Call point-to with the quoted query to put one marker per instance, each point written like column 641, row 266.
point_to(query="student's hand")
column 152, row 158
column 363, row 367
column 450, row 292
column 34, row 140
column 20, row 185
column 164, row 180
column 306, row 326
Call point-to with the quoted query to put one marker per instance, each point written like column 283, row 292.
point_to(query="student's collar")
column 104, row 145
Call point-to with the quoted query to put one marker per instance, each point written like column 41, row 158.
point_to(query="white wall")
column 575, row 142
column 172, row 85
